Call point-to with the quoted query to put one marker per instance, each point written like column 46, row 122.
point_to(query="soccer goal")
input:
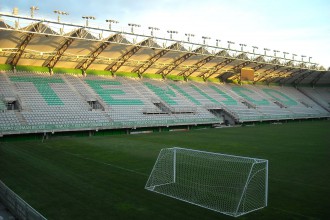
column 232, row 185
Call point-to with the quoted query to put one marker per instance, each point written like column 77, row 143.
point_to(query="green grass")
column 67, row 70
column 175, row 77
column 127, row 74
column 98, row 72
column 6, row 67
column 32, row 68
column 103, row 177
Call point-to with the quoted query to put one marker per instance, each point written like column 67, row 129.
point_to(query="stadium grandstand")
column 57, row 76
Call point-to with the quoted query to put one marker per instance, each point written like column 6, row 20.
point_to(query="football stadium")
column 87, row 113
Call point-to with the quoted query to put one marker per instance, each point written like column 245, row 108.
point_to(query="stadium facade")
column 57, row 76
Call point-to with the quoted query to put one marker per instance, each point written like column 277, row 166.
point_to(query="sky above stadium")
column 296, row 26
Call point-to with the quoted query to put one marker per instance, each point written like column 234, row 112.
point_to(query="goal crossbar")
column 229, row 184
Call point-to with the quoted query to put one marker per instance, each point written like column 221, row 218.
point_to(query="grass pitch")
column 104, row 177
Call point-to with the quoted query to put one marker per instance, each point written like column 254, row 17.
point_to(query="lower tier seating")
column 45, row 103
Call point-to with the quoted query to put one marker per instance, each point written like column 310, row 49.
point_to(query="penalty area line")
column 293, row 213
column 100, row 162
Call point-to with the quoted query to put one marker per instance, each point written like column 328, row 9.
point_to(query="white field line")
column 294, row 213
column 300, row 183
column 100, row 162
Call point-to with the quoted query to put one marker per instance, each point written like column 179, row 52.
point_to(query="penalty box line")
column 293, row 213
column 100, row 162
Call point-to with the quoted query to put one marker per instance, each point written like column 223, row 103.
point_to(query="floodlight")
column 132, row 26
column 285, row 53
column 110, row 21
column 33, row 8
column 153, row 29
column 293, row 55
column 266, row 49
column 189, row 35
column 242, row 46
column 171, row 33
column 205, row 38
column 88, row 18
column 217, row 42
column 276, row 51
column 229, row 43
column 15, row 11
column 60, row 13
column 254, row 48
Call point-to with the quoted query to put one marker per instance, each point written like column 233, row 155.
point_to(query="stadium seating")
column 320, row 95
column 70, row 102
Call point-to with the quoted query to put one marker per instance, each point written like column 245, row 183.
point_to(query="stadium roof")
column 49, row 43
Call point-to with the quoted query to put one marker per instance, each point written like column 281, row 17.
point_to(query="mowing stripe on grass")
column 100, row 162
column 293, row 213
column 304, row 184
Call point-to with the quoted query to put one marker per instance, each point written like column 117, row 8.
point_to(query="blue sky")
column 295, row 26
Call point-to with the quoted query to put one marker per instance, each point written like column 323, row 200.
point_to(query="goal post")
column 228, row 184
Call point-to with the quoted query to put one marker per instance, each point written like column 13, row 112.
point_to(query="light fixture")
column 33, row 8
column 217, row 41
column 132, row 26
column 284, row 54
column 189, row 35
column 205, row 38
column 59, row 14
column 171, row 33
column 276, row 51
column 266, row 49
column 88, row 18
column 242, row 46
column 229, row 43
column 153, row 29
column 293, row 55
column 110, row 21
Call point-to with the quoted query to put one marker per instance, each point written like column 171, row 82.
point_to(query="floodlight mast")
column 242, row 46
column 217, row 41
column 302, row 58
column 276, row 51
column 284, row 54
column 188, row 36
column 33, row 9
column 88, row 18
column 229, row 43
column 205, row 38
column 132, row 27
column 15, row 11
column 110, row 21
column 255, row 48
column 266, row 49
column 171, row 33
column 309, row 59
column 59, row 14
column 152, row 30
column 293, row 55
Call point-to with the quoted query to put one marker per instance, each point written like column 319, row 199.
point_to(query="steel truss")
column 94, row 54
column 47, row 27
column 165, row 71
column 120, row 62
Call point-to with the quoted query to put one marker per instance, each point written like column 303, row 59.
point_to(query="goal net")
column 232, row 185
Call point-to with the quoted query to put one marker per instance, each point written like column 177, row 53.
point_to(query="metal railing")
column 17, row 206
